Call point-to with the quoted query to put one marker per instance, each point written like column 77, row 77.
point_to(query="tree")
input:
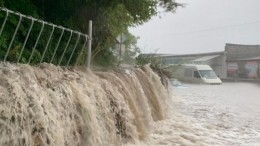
column 132, row 51
column 110, row 17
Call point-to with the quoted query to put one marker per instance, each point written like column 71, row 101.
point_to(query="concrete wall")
column 218, row 64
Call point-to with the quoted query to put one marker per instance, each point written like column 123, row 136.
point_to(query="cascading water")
column 50, row 105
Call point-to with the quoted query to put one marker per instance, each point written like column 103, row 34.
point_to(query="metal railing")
column 24, row 39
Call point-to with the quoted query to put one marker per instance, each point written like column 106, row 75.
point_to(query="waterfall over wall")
column 50, row 105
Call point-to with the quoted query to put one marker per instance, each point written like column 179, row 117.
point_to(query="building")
column 214, row 59
column 243, row 61
column 236, row 61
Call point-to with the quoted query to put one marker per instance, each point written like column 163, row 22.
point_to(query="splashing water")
column 50, row 105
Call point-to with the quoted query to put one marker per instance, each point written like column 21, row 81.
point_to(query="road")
column 227, row 114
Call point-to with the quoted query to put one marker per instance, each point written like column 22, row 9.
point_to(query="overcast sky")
column 202, row 26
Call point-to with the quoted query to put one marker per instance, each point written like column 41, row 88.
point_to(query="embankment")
column 50, row 105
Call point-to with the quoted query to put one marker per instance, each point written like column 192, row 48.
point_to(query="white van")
column 197, row 74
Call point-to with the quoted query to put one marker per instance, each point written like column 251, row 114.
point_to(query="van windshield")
column 208, row 74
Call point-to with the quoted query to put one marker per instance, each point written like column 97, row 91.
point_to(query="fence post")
column 37, row 40
column 66, row 47
column 89, row 43
column 82, row 49
column 56, row 48
column 25, row 41
column 12, row 40
column 74, row 48
column 3, row 25
column 46, row 47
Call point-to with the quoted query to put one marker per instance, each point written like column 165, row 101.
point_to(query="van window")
column 208, row 73
column 196, row 74
column 188, row 73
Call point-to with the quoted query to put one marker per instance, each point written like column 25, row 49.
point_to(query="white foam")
column 49, row 105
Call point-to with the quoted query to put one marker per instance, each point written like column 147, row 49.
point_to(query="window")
column 208, row 74
column 196, row 74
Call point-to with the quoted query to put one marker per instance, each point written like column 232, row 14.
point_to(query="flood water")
column 49, row 105
column 227, row 114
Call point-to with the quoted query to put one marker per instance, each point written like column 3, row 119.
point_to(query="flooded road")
column 227, row 114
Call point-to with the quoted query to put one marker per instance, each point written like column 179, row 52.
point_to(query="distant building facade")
column 237, row 61
column 243, row 61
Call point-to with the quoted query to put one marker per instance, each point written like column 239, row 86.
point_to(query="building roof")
column 184, row 55
column 242, row 52
column 206, row 58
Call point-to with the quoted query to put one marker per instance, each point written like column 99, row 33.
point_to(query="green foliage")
column 131, row 50
column 157, row 65
column 169, row 5
column 110, row 18
column 23, row 6
column 106, row 58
